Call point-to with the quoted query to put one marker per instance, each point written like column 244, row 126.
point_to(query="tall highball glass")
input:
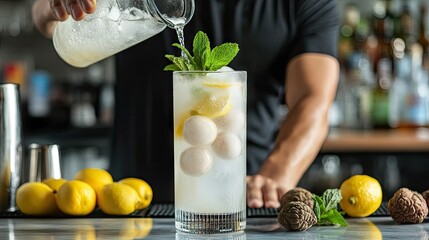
column 210, row 151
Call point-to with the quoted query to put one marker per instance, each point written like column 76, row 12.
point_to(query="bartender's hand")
column 263, row 192
column 46, row 13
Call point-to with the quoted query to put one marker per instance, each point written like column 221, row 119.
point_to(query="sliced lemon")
column 213, row 106
column 222, row 85
column 179, row 129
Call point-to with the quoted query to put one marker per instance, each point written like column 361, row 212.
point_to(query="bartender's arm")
column 310, row 82
column 46, row 13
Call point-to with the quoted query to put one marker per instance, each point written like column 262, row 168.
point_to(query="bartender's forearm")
column 311, row 82
column 297, row 144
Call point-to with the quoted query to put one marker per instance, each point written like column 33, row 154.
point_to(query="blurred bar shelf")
column 96, row 136
column 377, row 141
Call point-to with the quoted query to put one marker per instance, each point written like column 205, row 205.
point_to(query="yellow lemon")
column 211, row 105
column 361, row 195
column 96, row 177
column 179, row 130
column 54, row 183
column 36, row 198
column 118, row 199
column 221, row 85
column 76, row 198
column 143, row 189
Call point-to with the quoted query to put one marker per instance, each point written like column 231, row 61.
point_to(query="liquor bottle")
column 399, row 88
column 384, row 28
column 347, row 41
column 355, row 92
column 408, row 32
column 394, row 8
column 410, row 93
column 380, row 94
column 422, row 38
column 379, row 14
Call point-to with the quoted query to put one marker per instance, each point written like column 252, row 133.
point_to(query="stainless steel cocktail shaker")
column 10, row 145
column 44, row 162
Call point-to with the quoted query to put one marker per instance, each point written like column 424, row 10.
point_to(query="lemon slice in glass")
column 210, row 105
column 213, row 106
column 221, row 85
column 179, row 130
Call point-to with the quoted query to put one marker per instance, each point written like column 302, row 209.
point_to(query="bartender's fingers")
column 270, row 194
column 254, row 191
column 58, row 9
column 281, row 191
column 88, row 6
column 74, row 9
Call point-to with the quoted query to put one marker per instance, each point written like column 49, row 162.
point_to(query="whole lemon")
column 54, row 183
column 143, row 189
column 76, row 198
column 361, row 195
column 96, row 177
column 118, row 199
column 36, row 198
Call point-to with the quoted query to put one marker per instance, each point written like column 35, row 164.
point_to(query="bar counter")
column 163, row 228
column 376, row 141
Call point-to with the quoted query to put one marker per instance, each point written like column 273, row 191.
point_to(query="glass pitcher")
column 115, row 26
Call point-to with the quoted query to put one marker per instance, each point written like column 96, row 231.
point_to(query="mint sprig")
column 204, row 58
column 325, row 208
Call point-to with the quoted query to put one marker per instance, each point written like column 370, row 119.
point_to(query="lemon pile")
column 91, row 187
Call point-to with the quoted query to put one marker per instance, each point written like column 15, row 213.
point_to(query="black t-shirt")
column 269, row 32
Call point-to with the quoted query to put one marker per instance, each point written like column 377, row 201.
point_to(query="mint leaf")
column 179, row 62
column 201, row 49
column 188, row 54
column 331, row 198
column 204, row 59
column 319, row 201
column 335, row 217
column 316, row 207
column 222, row 55
column 172, row 67
column 325, row 208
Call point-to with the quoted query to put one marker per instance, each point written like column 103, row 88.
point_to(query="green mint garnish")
column 204, row 58
column 325, row 208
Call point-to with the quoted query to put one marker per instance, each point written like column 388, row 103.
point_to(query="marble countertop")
column 163, row 228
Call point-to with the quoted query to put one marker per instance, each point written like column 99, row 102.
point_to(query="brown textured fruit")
column 297, row 194
column 296, row 216
column 407, row 206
